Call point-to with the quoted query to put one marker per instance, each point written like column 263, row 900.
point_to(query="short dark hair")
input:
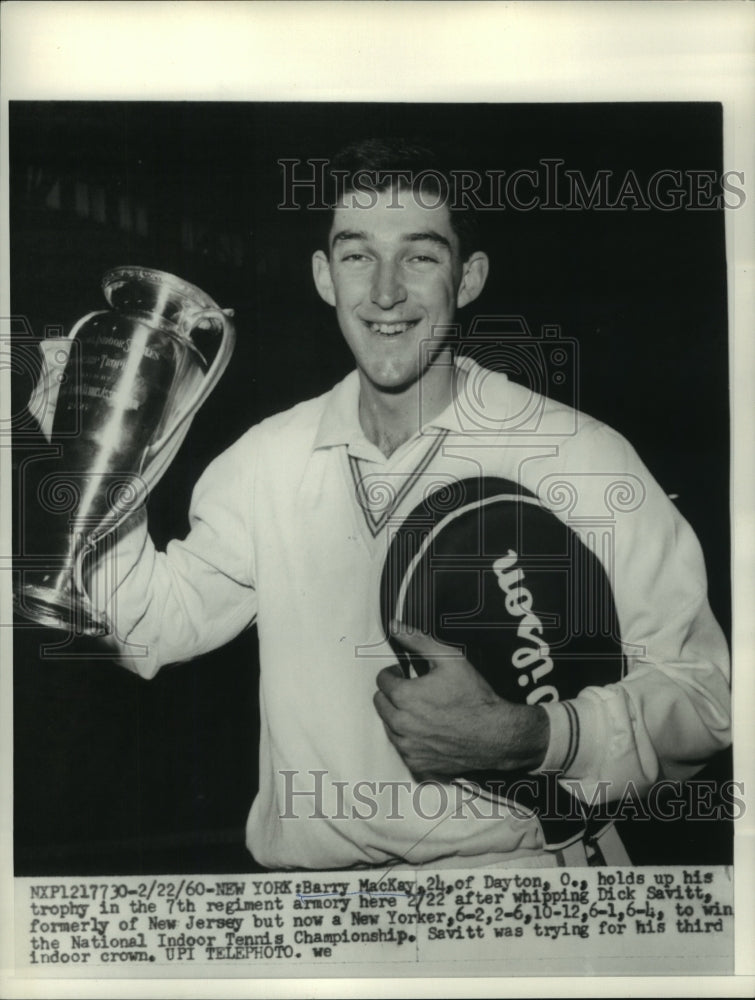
column 378, row 164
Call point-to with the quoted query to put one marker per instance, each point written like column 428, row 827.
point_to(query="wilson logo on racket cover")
column 519, row 605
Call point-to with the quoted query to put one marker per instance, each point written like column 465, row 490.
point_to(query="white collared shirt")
column 290, row 528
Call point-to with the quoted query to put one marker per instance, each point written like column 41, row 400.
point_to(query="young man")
column 290, row 528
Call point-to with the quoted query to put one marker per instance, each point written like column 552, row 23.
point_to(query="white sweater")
column 280, row 535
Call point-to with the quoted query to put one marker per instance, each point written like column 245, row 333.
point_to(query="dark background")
column 117, row 775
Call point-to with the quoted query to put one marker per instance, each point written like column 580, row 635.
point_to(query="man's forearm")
column 524, row 733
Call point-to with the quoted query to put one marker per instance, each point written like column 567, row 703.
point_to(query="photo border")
column 523, row 52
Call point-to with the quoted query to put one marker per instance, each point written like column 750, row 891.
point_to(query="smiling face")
column 395, row 275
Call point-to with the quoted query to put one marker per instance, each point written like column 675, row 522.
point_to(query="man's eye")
column 354, row 256
column 423, row 258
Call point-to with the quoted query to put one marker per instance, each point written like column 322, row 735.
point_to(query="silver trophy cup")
column 133, row 382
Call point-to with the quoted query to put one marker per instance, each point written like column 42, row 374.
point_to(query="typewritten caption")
column 253, row 925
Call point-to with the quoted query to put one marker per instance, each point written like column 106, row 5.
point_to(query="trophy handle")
column 161, row 452
column 84, row 319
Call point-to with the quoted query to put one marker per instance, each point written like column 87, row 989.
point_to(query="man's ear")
column 323, row 280
column 473, row 277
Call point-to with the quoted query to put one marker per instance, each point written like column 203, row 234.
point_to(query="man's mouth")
column 391, row 329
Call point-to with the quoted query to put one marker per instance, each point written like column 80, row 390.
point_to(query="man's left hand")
column 450, row 721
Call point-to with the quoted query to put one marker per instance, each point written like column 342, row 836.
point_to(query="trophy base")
column 47, row 606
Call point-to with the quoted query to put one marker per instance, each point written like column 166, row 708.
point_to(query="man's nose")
column 387, row 288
